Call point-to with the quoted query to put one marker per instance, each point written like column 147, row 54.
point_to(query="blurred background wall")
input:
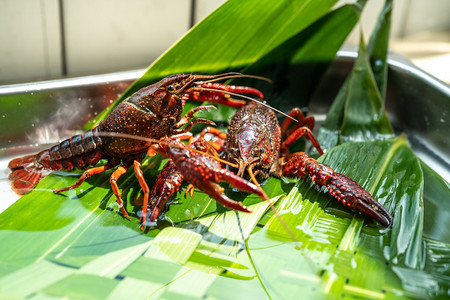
column 47, row 39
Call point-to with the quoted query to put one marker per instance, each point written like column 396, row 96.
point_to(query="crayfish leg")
column 190, row 190
column 219, row 144
column 86, row 174
column 304, row 126
column 217, row 93
column 300, row 117
column 186, row 120
column 298, row 133
column 113, row 180
column 144, row 186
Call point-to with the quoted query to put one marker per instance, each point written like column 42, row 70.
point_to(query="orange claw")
column 190, row 190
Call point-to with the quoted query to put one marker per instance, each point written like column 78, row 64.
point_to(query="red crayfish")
column 197, row 163
column 152, row 112
column 256, row 143
column 256, row 146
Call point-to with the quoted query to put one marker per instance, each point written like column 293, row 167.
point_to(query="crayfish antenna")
column 272, row 207
column 214, row 78
column 230, row 75
column 251, row 99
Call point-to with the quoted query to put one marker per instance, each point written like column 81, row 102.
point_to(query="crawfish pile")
column 255, row 146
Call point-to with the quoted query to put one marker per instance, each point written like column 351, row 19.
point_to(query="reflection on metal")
column 45, row 112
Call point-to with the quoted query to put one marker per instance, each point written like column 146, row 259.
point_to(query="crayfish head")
column 163, row 98
column 251, row 149
column 173, row 91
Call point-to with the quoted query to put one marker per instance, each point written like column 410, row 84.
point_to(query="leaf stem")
column 255, row 269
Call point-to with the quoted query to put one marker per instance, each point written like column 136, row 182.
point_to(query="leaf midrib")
column 352, row 233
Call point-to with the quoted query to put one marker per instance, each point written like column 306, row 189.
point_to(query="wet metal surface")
column 40, row 114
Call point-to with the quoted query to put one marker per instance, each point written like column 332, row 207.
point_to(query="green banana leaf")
column 356, row 115
column 235, row 35
column 77, row 246
column 377, row 47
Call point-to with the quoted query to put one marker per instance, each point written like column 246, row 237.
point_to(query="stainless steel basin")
column 42, row 113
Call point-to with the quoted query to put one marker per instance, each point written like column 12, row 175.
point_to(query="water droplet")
column 427, row 122
column 359, row 69
column 95, row 113
column 32, row 124
column 377, row 65
column 110, row 101
column 4, row 116
column 19, row 103
column 31, row 93
column 91, row 106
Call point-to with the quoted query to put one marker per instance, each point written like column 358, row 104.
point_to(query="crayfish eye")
column 234, row 151
column 170, row 88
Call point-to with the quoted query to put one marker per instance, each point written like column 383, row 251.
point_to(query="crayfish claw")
column 202, row 171
column 352, row 195
column 215, row 191
column 167, row 184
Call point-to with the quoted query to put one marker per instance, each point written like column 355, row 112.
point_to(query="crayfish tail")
column 351, row 194
column 25, row 174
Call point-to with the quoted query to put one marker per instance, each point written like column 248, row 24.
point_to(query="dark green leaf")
column 358, row 112
column 237, row 34
column 84, row 249
column 378, row 47
column 436, row 196
column 297, row 65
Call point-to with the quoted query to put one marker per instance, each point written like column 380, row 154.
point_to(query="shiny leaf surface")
column 50, row 245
